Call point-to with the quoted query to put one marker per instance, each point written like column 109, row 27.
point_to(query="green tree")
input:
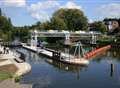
column 21, row 32
column 35, row 26
column 58, row 24
column 38, row 23
column 45, row 26
column 72, row 19
column 5, row 24
column 0, row 12
column 10, row 23
column 5, row 28
column 98, row 26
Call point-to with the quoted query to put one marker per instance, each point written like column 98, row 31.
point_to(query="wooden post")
column 111, row 69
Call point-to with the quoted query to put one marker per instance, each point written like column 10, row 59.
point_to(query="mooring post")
column 111, row 69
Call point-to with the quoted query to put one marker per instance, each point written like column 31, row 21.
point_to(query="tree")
column 10, row 23
column 58, row 24
column 21, row 32
column 72, row 19
column 38, row 23
column 98, row 26
column 0, row 12
column 5, row 24
column 45, row 26
column 5, row 28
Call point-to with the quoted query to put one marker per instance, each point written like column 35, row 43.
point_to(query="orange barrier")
column 97, row 51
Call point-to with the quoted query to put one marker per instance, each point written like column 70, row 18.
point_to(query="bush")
column 17, row 79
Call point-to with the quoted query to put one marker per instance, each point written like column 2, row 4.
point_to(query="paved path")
column 9, row 83
column 22, row 67
column 6, row 62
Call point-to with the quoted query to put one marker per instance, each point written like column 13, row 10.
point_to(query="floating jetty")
column 59, row 56
column 66, row 58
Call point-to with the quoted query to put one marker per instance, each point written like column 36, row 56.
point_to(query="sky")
column 28, row 12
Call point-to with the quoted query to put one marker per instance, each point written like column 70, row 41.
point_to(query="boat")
column 77, row 59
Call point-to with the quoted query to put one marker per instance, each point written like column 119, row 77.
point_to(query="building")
column 113, row 25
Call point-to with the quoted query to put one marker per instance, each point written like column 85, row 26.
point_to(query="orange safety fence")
column 96, row 51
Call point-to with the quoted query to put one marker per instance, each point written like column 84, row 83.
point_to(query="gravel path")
column 9, row 83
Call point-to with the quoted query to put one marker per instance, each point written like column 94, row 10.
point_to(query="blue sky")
column 27, row 12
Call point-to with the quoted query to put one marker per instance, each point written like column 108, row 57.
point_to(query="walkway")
column 9, row 83
column 6, row 62
column 11, row 56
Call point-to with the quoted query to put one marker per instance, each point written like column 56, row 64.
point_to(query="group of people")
column 5, row 50
column 40, row 44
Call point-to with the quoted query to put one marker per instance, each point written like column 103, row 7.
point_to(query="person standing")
column 4, row 49
column 7, row 50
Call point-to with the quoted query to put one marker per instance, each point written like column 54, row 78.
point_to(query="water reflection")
column 32, row 57
column 38, row 82
column 115, row 54
column 111, row 70
column 103, row 71
column 67, row 67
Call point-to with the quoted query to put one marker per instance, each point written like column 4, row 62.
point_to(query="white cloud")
column 44, row 5
column 14, row 3
column 42, row 10
column 71, row 5
column 109, row 10
column 40, row 16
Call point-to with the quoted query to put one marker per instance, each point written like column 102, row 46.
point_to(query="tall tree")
column 38, row 23
column 45, row 26
column 74, row 19
column 5, row 24
column 5, row 27
column 0, row 12
column 58, row 24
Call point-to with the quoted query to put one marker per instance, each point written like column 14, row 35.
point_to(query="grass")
column 5, row 75
column 17, row 79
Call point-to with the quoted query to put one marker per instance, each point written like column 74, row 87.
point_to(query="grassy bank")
column 6, row 75
column 7, row 71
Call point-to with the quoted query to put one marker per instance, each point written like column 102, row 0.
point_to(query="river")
column 102, row 72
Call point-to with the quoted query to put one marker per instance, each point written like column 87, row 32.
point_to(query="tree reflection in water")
column 67, row 67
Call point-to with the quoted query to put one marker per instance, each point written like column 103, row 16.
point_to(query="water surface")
column 102, row 72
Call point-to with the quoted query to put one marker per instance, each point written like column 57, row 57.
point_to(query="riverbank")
column 7, row 71
column 53, row 74
column 10, row 58
column 9, row 83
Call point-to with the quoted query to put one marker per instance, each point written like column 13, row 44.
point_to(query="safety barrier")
column 96, row 51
